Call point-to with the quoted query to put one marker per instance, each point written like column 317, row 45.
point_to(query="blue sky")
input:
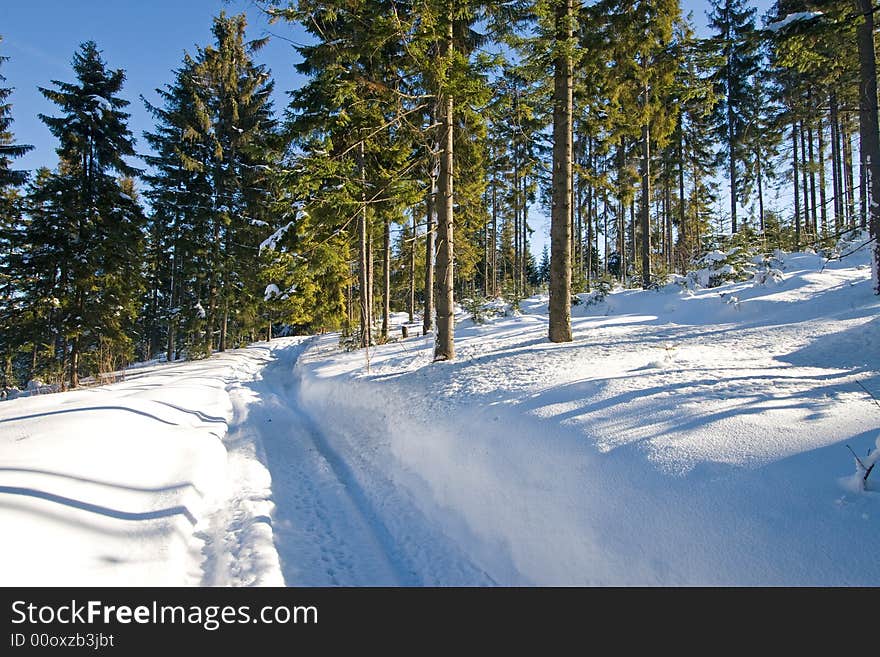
column 147, row 39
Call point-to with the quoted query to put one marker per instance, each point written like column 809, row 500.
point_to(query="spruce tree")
column 734, row 24
column 11, row 240
column 105, row 221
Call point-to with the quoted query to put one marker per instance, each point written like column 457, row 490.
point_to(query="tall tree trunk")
column 633, row 238
column 836, row 168
column 575, row 214
column 224, row 325
column 411, row 305
column 364, row 258
column 486, row 228
column 516, row 218
column 761, row 195
column 797, row 202
column 823, row 199
column 444, row 344
column 605, row 229
column 667, row 214
column 682, row 222
column 494, row 236
column 430, row 240
column 849, row 177
column 524, row 237
column 621, row 211
column 646, row 204
column 560, row 217
column 814, row 218
column 386, row 276
column 869, row 132
column 349, row 294
column 731, row 163
column 805, row 186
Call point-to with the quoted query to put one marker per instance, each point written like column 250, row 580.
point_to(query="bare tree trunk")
column 363, row 259
column 849, row 177
column 805, row 185
column 524, row 239
column 732, row 159
column 605, row 229
column 646, row 204
column 411, row 306
column 682, row 222
column 761, row 195
column 386, row 277
column 486, row 228
column 349, row 300
column 560, row 217
column 869, row 132
column 516, row 232
column 444, row 344
column 797, row 203
column 667, row 214
column 74, row 363
column 494, row 237
column 814, row 218
column 224, row 325
column 836, row 168
column 823, row 199
column 430, row 238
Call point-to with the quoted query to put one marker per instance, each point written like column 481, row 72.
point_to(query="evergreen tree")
column 103, row 273
column 734, row 25
column 216, row 150
column 544, row 267
column 11, row 239
column 9, row 150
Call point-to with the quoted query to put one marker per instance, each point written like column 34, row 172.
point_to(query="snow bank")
column 680, row 439
column 119, row 485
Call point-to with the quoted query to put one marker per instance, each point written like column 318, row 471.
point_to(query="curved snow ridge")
column 529, row 499
column 681, row 440
column 507, row 496
column 116, row 485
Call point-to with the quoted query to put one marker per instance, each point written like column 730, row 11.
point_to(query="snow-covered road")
column 203, row 473
column 680, row 439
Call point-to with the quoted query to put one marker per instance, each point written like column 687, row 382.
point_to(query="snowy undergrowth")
column 680, row 439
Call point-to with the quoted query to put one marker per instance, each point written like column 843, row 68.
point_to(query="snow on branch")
column 797, row 17
column 272, row 241
column 271, row 292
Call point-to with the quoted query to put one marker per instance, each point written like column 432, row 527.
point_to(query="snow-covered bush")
column 847, row 243
column 596, row 296
column 718, row 267
column 768, row 276
column 475, row 307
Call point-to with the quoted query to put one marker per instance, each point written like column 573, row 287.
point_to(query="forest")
column 408, row 173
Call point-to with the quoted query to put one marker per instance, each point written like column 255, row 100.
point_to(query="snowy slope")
column 682, row 438
column 118, row 485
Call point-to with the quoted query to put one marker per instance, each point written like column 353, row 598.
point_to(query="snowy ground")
column 681, row 439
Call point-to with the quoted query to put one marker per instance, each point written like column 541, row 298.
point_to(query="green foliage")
column 87, row 222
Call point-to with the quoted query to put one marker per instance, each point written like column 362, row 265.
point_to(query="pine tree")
column 544, row 267
column 105, row 222
column 236, row 105
column 563, row 13
column 11, row 240
column 216, row 150
column 734, row 25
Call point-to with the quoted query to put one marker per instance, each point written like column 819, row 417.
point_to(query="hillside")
column 683, row 438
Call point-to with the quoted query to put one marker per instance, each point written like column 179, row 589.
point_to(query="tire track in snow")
column 321, row 523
